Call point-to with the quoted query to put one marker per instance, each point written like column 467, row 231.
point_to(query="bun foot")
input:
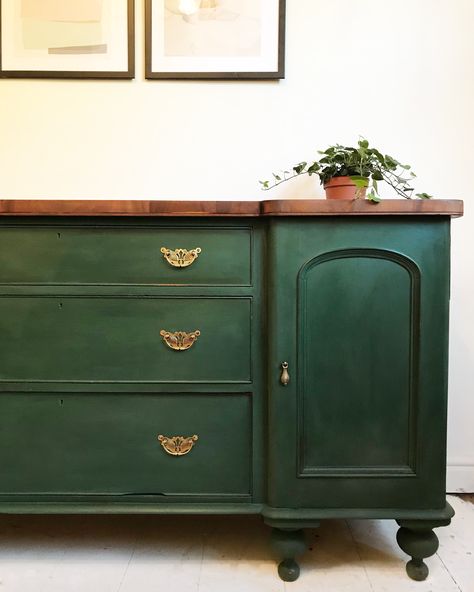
column 417, row 539
column 289, row 570
column 417, row 570
column 286, row 545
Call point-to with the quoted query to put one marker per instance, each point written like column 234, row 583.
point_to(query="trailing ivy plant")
column 366, row 166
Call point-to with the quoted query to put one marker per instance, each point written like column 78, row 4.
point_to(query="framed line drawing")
column 215, row 39
column 67, row 38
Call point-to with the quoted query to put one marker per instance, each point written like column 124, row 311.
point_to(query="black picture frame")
column 129, row 73
column 279, row 73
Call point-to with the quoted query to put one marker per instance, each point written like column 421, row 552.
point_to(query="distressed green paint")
column 358, row 307
column 107, row 444
column 118, row 339
column 358, row 347
column 123, row 254
column 365, row 411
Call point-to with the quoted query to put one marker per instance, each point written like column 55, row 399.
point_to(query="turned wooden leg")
column 288, row 544
column 417, row 539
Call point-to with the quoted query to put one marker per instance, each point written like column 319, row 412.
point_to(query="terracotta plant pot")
column 343, row 188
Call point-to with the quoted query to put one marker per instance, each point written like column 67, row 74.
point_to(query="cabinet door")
column 358, row 310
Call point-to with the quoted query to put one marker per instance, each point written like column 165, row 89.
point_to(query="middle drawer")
column 124, row 339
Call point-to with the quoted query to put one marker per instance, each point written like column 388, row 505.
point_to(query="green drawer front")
column 108, row 444
column 106, row 339
column 123, row 255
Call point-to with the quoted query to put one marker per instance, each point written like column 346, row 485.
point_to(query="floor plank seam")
column 201, row 564
column 449, row 572
column 356, row 545
column 127, row 567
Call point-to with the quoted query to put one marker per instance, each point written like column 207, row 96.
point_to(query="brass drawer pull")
column 177, row 445
column 180, row 257
column 179, row 341
column 285, row 375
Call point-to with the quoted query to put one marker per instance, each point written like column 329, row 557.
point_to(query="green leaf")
column 424, row 196
column 299, row 168
column 391, row 163
column 360, row 182
column 378, row 154
column 277, row 177
column 373, row 198
column 265, row 184
column 314, row 168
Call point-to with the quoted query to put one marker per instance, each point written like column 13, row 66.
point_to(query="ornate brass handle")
column 285, row 375
column 180, row 257
column 180, row 340
column 177, row 445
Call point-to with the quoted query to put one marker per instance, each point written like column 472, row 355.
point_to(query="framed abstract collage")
column 230, row 39
column 184, row 39
column 67, row 38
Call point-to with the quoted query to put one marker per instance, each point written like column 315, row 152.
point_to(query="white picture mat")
column 266, row 62
column 16, row 58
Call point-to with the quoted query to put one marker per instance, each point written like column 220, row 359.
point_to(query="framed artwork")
column 67, row 39
column 215, row 39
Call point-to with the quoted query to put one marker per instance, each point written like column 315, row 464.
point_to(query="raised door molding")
column 358, row 309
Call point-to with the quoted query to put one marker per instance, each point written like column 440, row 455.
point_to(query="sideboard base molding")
column 132, row 507
column 295, row 518
column 275, row 517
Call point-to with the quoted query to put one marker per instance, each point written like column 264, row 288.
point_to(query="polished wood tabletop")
column 275, row 207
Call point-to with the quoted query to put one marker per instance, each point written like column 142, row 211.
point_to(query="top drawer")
column 120, row 254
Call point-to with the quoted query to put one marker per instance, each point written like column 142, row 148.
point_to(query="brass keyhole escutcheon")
column 285, row 375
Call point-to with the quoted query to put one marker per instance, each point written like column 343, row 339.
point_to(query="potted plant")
column 348, row 172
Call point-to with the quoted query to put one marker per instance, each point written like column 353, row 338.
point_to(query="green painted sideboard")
column 282, row 358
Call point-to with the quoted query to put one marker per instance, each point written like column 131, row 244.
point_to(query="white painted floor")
column 202, row 554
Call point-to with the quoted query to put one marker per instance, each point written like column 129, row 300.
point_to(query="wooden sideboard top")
column 276, row 207
column 361, row 207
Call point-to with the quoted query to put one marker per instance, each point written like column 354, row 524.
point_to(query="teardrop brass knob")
column 180, row 257
column 177, row 445
column 179, row 341
column 285, row 375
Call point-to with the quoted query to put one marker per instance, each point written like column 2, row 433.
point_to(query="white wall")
column 399, row 73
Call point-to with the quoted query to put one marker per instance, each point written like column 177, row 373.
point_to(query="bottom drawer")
column 108, row 444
